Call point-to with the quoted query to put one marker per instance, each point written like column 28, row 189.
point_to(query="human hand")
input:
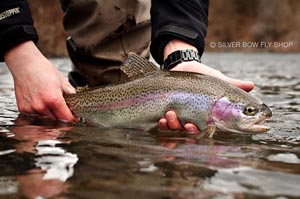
column 171, row 120
column 194, row 66
column 39, row 86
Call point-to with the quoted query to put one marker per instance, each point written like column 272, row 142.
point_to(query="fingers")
column 56, row 110
column 67, row 87
column 245, row 85
column 50, row 104
column 204, row 69
column 191, row 128
column 171, row 122
column 45, row 112
column 55, row 102
column 39, row 86
column 36, row 109
column 61, row 111
column 163, row 124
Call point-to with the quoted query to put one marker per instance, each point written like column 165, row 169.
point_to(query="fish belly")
column 144, row 111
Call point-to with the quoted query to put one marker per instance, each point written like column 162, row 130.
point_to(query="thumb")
column 67, row 87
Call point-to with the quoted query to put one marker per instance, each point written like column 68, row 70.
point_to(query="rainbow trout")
column 208, row 102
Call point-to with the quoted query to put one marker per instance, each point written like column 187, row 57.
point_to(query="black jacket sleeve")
column 16, row 25
column 178, row 19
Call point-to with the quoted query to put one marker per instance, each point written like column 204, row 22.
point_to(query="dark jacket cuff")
column 168, row 33
column 16, row 25
column 177, row 19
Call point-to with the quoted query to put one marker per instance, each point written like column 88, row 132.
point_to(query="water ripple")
column 48, row 159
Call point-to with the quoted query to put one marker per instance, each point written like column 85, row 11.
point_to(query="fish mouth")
column 258, row 126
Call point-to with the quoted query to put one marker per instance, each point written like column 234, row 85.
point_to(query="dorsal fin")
column 136, row 67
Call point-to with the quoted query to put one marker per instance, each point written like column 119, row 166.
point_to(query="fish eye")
column 250, row 111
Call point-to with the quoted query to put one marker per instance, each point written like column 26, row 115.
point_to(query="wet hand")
column 39, row 86
column 171, row 121
column 194, row 66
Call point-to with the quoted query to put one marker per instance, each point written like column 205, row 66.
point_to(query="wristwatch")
column 180, row 56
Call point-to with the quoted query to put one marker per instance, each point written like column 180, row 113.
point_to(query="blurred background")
column 234, row 26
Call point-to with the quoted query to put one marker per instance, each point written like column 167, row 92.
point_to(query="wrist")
column 178, row 52
column 22, row 56
column 22, row 48
column 175, row 45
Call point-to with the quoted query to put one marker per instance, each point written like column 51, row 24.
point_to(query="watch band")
column 180, row 56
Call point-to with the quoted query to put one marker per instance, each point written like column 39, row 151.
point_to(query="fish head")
column 241, row 116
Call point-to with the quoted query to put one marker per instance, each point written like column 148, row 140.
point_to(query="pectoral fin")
column 210, row 130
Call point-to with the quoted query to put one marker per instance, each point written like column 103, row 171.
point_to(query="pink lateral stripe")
column 128, row 102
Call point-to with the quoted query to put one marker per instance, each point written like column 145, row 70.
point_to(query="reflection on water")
column 254, row 181
column 41, row 158
column 32, row 160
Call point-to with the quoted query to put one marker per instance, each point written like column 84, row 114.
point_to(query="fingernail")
column 195, row 130
column 172, row 117
column 70, row 89
column 192, row 130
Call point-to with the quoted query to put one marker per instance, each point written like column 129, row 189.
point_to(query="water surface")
column 41, row 158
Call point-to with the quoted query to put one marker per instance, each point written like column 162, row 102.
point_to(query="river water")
column 41, row 158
